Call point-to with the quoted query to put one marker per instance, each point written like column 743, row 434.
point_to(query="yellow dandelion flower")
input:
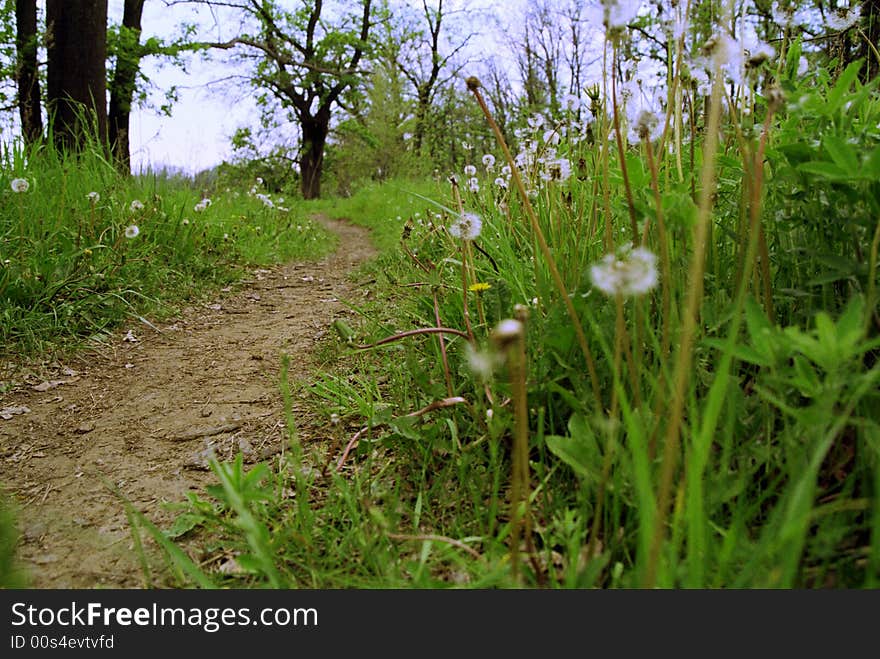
column 479, row 287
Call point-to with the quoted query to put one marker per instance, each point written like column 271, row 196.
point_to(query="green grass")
column 750, row 457
column 69, row 274
column 718, row 429
column 382, row 207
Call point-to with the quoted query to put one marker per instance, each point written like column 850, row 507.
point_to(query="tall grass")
column 735, row 437
column 73, row 266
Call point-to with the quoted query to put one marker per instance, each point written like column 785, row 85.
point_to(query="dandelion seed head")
column 481, row 362
column 647, row 125
column 93, row 197
column 467, row 226
column 473, row 185
column 501, row 182
column 763, row 52
column 558, row 169
column 803, row 66
column 536, row 122
column 571, row 102
column 632, row 272
column 132, row 231
column 507, row 330
column 470, row 170
column 843, row 19
column 488, row 160
column 19, row 185
column 136, row 205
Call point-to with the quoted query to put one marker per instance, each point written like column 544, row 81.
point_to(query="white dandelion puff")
column 507, row 330
column 803, row 66
column 536, row 121
column 633, row 272
column 467, row 226
column 470, row 170
column 93, row 197
column 488, row 161
column 571, row 102
column 473, row 185
column 131, row 231
column 844, row 19
column 501, row 182
column 136, row 205
column 647, row 124
column 19, row 185
column 558, row 169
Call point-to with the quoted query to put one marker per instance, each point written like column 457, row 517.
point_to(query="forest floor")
column 144, row 412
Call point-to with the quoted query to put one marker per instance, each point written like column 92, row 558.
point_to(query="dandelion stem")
column 520, row 477
column 422, row 330
column 630, row 203
column 664, row 250
column 474, row 87
column 689, row 324
column 443, row 357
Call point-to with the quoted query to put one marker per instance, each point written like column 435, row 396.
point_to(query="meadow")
column 638, row 351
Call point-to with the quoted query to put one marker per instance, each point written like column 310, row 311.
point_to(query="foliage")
column 69, row 271
column 724, row 435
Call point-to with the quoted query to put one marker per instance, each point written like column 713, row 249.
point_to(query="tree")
column 26, row 75
column 76, row 36
column 306, row 61
column 122, row 87
column 417, row 53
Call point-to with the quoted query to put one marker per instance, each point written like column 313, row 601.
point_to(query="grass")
column 538, row 404
column 734, row 441
column 69, row 273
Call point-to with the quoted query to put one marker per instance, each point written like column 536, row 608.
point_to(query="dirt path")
column 143, row 415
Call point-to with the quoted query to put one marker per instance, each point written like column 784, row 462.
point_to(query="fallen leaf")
column 48, row 384
column 8, row 412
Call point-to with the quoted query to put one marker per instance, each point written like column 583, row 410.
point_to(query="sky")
column 197, row 135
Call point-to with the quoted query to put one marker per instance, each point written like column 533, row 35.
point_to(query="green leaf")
column 580, row 450
column 184, row 524
column 826, row 170
column 741, row 352
column 841, row 87
column 760, row 329
column 842, row 153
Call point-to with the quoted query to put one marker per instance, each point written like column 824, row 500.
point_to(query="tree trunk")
column 311, row 161
column 123, row 84
column 26, row 71
column 76, row 34
column 422, row 105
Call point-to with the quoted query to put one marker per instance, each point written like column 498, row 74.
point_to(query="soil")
column 143, row 412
